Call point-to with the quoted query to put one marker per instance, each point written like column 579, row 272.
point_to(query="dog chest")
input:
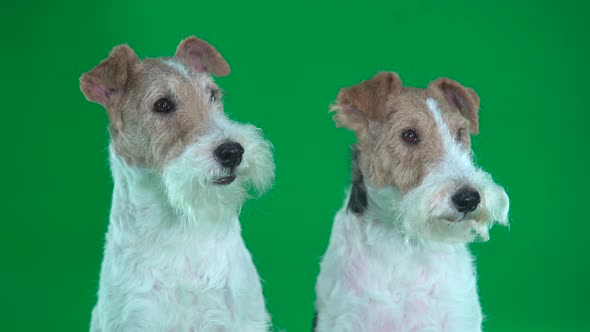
column 383, row 282
column 192, row 285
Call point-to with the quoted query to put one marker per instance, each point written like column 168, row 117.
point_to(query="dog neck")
column 141, row 205
column 375, row 203
column 366, row 200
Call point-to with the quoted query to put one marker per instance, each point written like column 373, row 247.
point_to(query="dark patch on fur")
column 315, row 321
column 357, row 203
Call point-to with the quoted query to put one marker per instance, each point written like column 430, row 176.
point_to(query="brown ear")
column 105, row 83
column 202, row 56
column 461, row 98
column 358, row 104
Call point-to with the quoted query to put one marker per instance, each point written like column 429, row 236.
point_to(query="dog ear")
column 202, row 56
column 461, row 98
column 105, row 83
column 357, row 105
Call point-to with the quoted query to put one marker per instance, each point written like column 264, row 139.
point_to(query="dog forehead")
column 409, row 108
column 159, row 78
column 419, row 107
column 169, row 71
column 445, row 116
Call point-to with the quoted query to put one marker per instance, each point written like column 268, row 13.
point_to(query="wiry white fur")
column 193, row 193
column 174, row 257
column 427, row 211
column 403, row 265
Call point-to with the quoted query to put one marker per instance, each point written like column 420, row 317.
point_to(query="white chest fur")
column 374, row 279
column 165, row 271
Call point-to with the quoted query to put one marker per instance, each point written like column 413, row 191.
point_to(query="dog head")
column 166, row 116
column 414, row 150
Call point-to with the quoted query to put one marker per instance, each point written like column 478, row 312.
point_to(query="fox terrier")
column 397, row 259
column 174, row 258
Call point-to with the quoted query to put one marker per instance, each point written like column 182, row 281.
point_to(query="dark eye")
column 213, row 96
column 460, row 134
column 164, row 105
column 410, row 136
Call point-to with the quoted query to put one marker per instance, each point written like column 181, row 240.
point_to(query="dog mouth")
column 466, row 218
column 463, row 217
column 224, row 181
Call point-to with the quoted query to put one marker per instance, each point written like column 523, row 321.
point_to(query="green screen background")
column 528, row 61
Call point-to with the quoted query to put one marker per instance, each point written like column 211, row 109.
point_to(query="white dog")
column 174, row 258
column 397, row 258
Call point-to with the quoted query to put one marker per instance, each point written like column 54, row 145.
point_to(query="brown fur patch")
column 150, row 139
column 128, row 88
column 385, row 158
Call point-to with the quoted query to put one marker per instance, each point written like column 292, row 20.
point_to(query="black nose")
column 466, row 200
column 229, row 154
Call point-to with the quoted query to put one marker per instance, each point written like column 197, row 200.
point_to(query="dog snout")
column 466, row 199
column 229, row 154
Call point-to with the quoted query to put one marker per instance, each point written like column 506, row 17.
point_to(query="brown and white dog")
column 174, row 258
column 397, row 258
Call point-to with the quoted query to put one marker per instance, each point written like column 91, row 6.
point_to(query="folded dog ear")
column 461, row 98
column 105, row 83
column 358, row 104
column 202, row 56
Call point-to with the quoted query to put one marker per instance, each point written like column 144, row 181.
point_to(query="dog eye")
column 164, row 105
column 460, row 134
column 410, row 136
column 213, row 96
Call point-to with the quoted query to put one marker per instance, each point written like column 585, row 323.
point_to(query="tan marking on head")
column 140, row 135
column 379, row 114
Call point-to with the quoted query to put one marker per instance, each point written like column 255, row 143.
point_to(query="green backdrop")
column 528, row 60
